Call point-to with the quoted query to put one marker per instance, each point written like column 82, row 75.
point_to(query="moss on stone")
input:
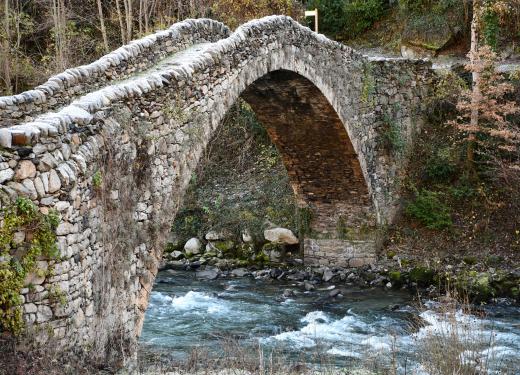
column 396, row 278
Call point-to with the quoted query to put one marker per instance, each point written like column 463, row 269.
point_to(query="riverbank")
column 477, row 281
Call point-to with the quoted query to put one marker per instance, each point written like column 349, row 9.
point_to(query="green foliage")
column 240, row 184
column 331, row 15
column 392, row 135
column 490, row 28
column 97, row 180
column 441, row 165
column 369, row 84
column 396, row 278
column 17, row 260
column 423, row 276
column 437, row 6
column 430, row 210
column 361, row 14
column 339, row 18
column 303, row 220
column 442, row 105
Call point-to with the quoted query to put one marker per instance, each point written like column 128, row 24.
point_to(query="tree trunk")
column 129, row 19
column 102, row 25
column 6, row 48
column 476, row 94
column 121, row 25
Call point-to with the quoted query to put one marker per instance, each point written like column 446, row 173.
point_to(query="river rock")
column 288, row 293
column 175, row 255
column 308, row 286
column 327, row 275
column 193, row 246
column 333, row 293
column 239, row 272
column 208, row 274
column 281, row 235
column 214, row 236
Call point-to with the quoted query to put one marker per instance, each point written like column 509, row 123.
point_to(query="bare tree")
column 121, row 24
column 6, row 47
column 60, row 33
column 102, row 26
column 129, row 18
column 476, row 95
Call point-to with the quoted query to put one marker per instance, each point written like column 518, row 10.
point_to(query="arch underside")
column 318, row 154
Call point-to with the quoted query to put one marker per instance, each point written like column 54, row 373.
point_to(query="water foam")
column 198, row 302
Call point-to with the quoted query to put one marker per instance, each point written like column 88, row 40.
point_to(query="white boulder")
column 193, row 246
column 281, row 235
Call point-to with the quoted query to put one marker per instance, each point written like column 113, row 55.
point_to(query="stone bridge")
column 113, row 145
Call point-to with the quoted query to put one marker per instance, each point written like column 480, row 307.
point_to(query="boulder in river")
column 239, row 272
column 327, row 275
column 281, row 235
column 308, row 285
column 193, row 246
column 208, row 274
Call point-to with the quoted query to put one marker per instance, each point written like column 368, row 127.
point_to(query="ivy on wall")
column 26, row 234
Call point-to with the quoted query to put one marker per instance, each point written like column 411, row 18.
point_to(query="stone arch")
column 146, row 134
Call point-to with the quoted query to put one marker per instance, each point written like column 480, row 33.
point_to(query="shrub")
column 441, row 165
column 429, row 210
column 331, row 15
column 339, row 17
column 361, row 14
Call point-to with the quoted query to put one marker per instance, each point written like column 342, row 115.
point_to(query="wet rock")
column 208, row 274
column 239, row 272
column 194, row 265
column 308, row 286
column 327, row 275
column 296, row 276
column 334, row 293
column 287, row 293
column 193, row 246
column 275, row 273
column 281, row 235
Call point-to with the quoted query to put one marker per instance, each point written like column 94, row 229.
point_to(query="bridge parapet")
column 120, row 64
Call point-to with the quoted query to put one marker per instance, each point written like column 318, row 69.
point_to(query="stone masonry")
column 112, row 146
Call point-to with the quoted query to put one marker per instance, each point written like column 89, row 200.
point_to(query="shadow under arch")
column 323, row 166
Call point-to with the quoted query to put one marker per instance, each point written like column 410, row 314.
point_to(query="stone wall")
column 116, row 162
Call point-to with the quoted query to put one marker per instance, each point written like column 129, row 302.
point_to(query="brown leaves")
column 490, row 100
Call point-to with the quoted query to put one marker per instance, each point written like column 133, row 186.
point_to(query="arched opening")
column 320, row 159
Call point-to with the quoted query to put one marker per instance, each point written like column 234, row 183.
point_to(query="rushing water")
column 185, row 313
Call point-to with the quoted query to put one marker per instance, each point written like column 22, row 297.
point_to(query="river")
column 359, row 328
